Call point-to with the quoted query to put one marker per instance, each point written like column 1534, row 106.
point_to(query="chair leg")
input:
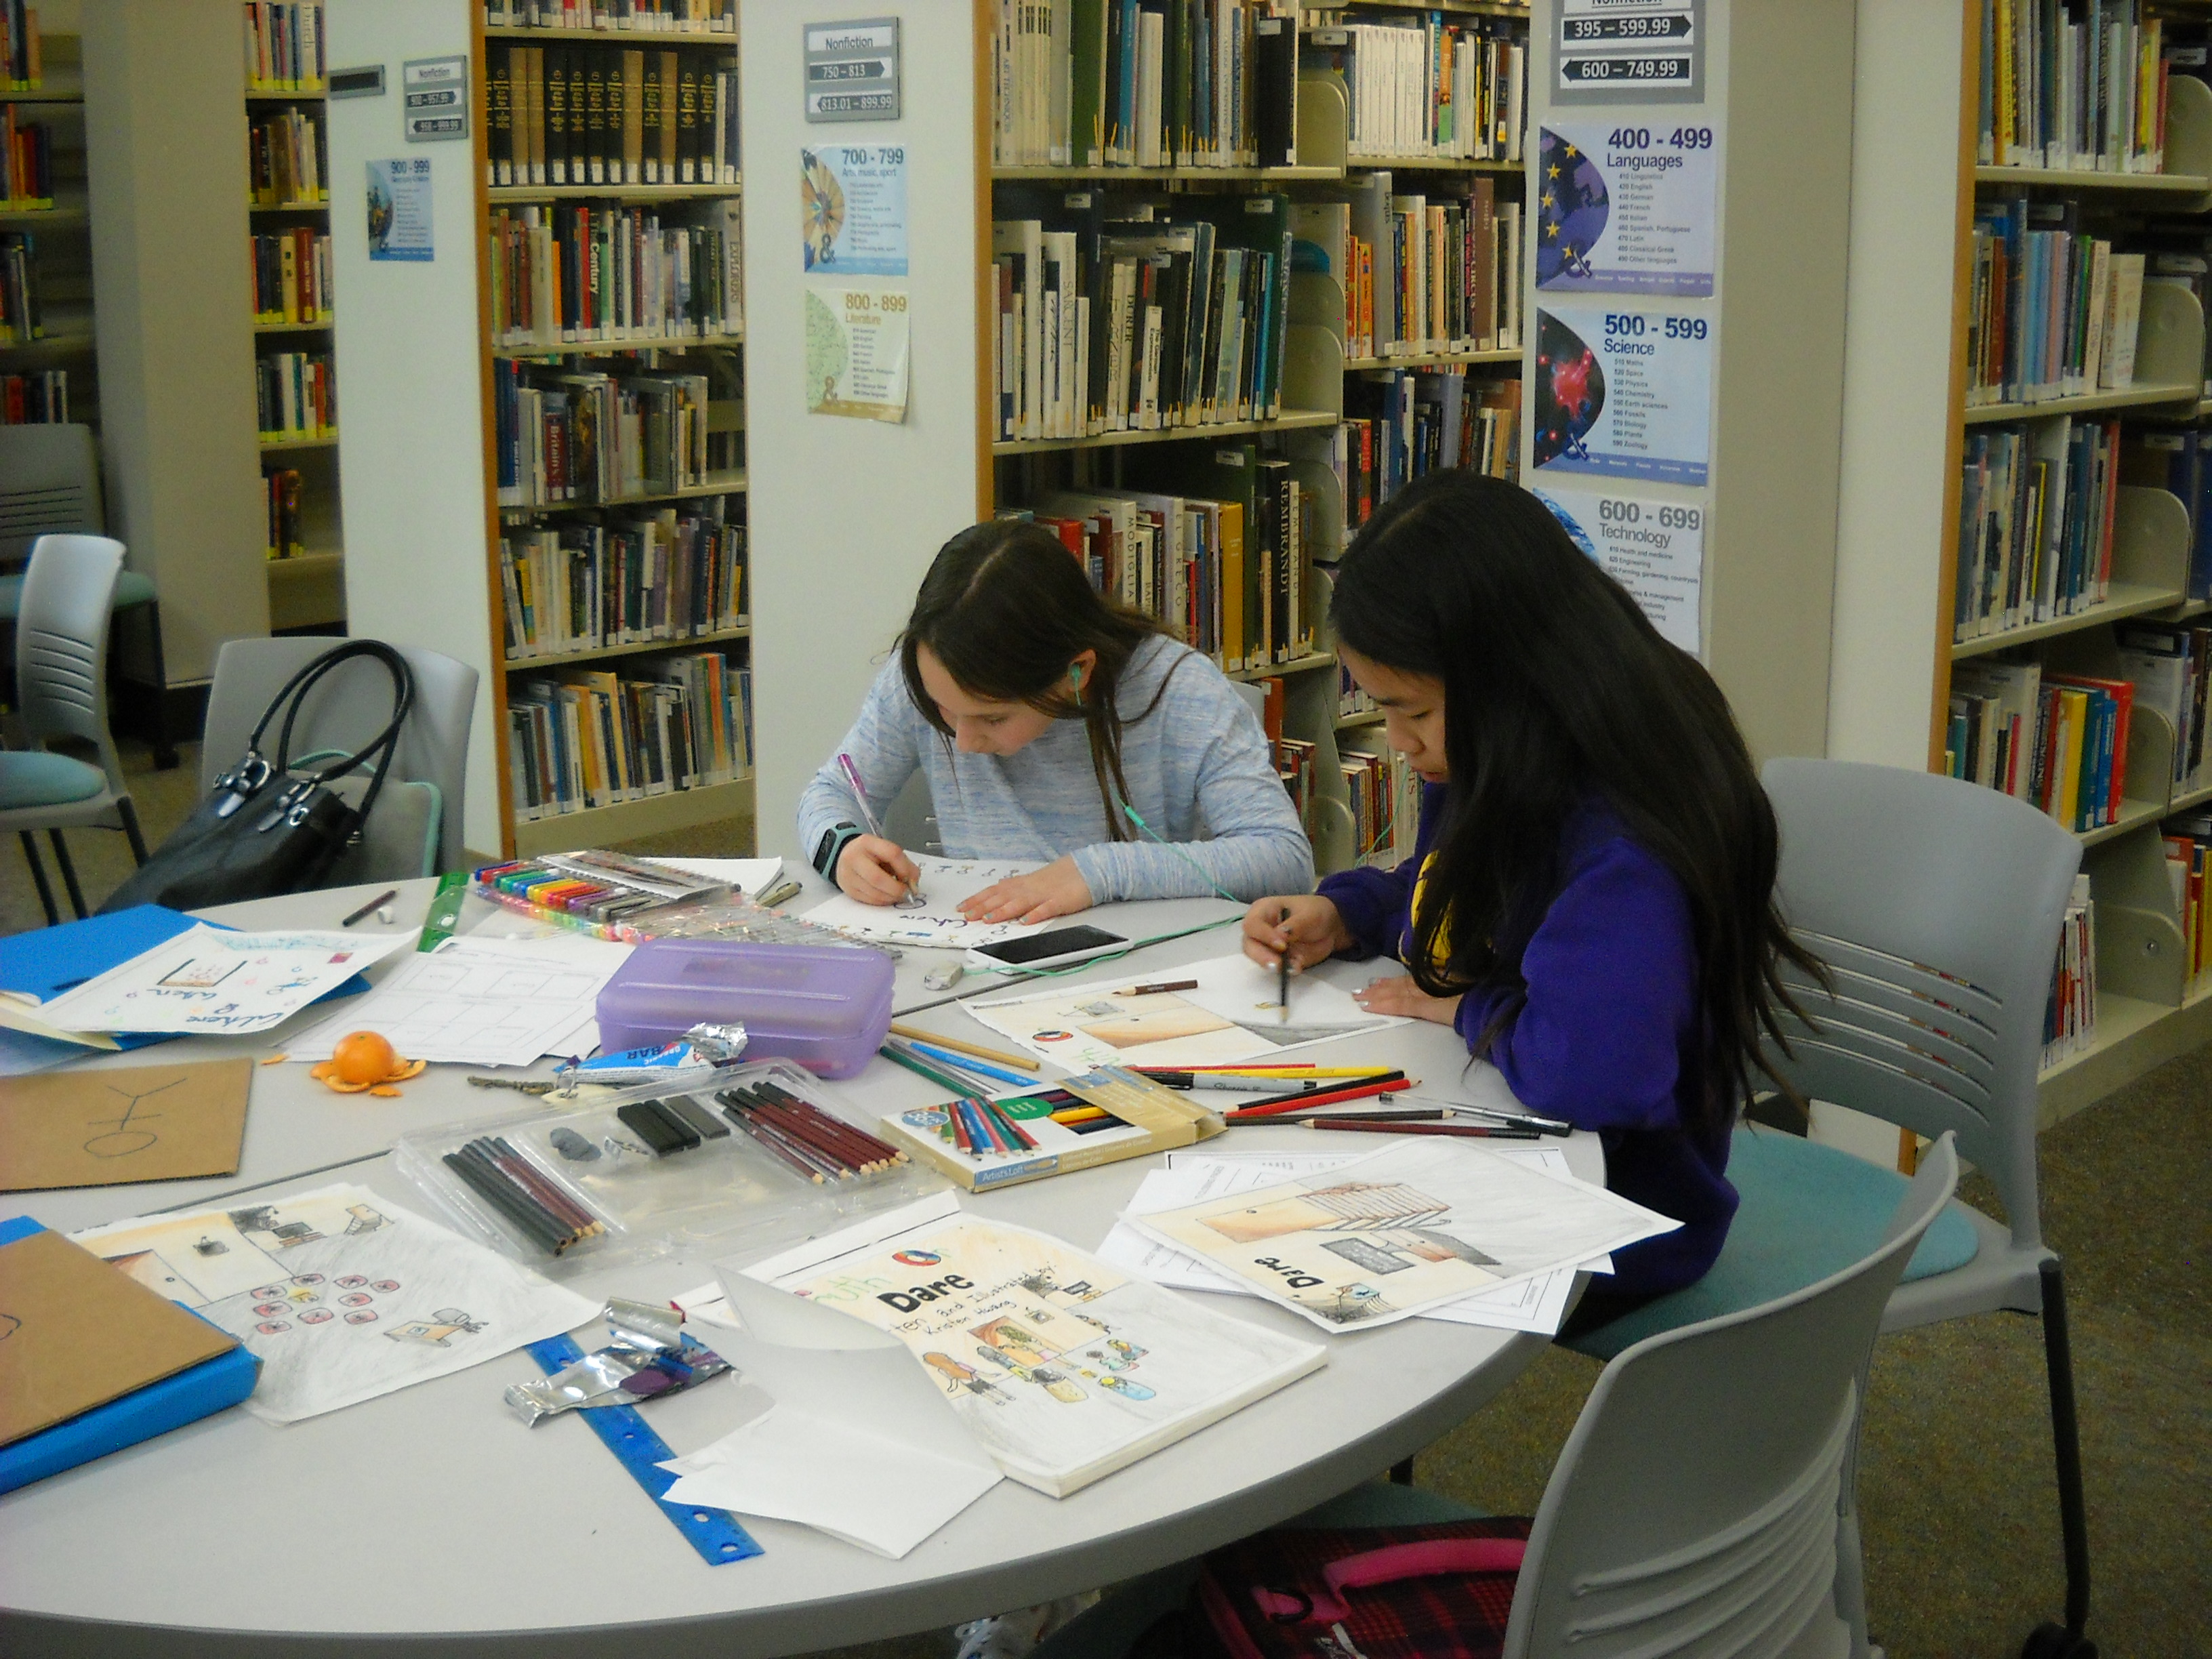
column 39, row 876
column 2065, row 1434
column 69, row 873
column 165, row 746
column 1401, row 1474
column 130, row 815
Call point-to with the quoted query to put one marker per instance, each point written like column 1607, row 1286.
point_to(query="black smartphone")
column 1048, row 949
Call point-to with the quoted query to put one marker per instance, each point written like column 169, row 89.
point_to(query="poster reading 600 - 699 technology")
column 1622, row 393
column 1653, row 549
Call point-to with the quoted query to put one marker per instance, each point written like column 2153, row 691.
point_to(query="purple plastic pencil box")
column 824, row 1006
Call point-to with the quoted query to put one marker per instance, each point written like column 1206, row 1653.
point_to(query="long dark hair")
column 1005, row 608
column 1558, row 692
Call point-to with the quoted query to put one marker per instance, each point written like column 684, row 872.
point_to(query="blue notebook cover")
column 204, row 1390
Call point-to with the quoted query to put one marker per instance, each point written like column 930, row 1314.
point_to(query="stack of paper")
column 944, row 884
column 477, row 1003
column 213, row 981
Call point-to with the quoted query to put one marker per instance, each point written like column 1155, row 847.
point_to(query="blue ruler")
column 714, row 1533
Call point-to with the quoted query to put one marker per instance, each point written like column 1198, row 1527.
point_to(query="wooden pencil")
column 915, row 1034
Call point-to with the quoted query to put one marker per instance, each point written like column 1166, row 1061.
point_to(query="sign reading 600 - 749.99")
column 1623, row 393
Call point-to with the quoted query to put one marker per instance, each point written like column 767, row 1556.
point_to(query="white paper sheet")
column 1413, row 1226
column 755, row 876
column 859, row 1442
column 342, row 1294
column 1233, row 1014
column 1532, row 1304
column 479, row 1003
column 937, row 922
column 210, row 979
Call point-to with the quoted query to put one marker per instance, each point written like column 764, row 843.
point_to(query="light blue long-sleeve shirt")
column 1197, row 767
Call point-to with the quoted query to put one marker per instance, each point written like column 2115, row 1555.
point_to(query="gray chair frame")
column 1936, row 906
column 61, row 688
column 348, row 707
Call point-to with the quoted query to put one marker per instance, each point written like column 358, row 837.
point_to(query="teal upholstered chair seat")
column 130, row 589
column 32, row 778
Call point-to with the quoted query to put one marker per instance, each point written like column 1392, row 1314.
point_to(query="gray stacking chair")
column 61, row 688
column 1698, row 1507
column 1936, row 905
column 420, row 833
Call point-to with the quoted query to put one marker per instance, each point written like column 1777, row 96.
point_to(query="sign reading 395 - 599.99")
column 1611, row 49
column 1623, row 393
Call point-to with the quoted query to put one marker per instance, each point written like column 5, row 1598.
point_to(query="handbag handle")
column 294, row 693
column 1431, row 1558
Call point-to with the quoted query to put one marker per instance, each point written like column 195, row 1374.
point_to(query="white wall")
column 410, row 380
column 1889, row 612
column 845, row 513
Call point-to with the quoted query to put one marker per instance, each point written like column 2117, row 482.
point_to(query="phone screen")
column 1038, row 947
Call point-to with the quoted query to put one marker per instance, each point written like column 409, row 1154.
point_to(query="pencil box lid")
column 825, row 1008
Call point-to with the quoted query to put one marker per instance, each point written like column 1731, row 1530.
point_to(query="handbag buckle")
column 244, row 781
column 291, row 807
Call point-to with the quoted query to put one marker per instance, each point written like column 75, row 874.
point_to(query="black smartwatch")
column 832, row 848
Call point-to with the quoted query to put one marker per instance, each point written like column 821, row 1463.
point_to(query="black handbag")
column 265, row 829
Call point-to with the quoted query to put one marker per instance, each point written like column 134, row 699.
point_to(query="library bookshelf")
column 48, row 368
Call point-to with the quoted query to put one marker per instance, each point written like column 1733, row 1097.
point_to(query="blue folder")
column 198, row 1391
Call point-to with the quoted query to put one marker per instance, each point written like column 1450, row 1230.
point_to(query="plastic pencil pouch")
column 766, row 1154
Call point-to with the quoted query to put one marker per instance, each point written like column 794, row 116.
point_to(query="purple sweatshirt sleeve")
column 1611, row 973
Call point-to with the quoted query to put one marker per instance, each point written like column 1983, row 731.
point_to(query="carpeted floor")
column 1955, row 1485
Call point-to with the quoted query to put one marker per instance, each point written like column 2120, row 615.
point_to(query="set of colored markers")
column 524, row 1198
column 821, row 1147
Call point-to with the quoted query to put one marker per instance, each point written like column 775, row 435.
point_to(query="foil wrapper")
column 648, row 1355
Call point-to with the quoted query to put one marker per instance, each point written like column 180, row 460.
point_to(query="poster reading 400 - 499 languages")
column 1623, row 393
column 1626, row 205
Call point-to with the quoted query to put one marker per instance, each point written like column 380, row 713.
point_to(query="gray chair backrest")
column 346, row 708
column 1936, row 905
column 61, row 643
column 1695, row 1508
column 49, row 481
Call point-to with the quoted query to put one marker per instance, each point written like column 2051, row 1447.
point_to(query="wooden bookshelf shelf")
column 1172, row 175
column 295, row 328
column 62, row 213
column 2134, row 814
column 716, row 484
column 1458, row 8
column 1289, row 420
column 54, row 342
column 663, row 39
column 307, row 590
column 2188, row 800
column 276, row 446
column 1435, row 359
column 2087, row 403
column 2182, row 184
column 607, row 347
column 1296, row 665
column 598, row 826
column 497, row 193
column 321, row 205
column 1426, row 164
column 594, row 654
column 1354, row 722
column 318, row 96
column 2126, row 599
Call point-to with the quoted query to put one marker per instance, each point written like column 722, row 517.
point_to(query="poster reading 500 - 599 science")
column 1622, row 393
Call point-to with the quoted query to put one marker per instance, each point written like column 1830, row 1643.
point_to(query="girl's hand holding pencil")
column 875, row 872
column 1303, row 926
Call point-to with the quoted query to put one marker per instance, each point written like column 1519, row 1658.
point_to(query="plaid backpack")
column 1439, row 1591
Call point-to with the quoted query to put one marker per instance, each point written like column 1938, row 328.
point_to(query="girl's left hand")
column 1058, row 890
column 1398, row 995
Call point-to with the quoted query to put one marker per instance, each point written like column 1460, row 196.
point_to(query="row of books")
column 2053, row 311
column 2079, row 84
column 285, row 159
column 1419, row 89
column 2169, row 664
column 284, row 531
column 22, row 318
column 608, row 115
column 1153, row 83
column 295, row 395
column 21, row 70
column 2069, row 1013
column 1349, row 699
column 1402, row 423
column 659, row 16
column 2179, row 460
column 561, row 273
column 1420, row 274
column 2036, row 512
column 1227, row 575
column 588, row 737
column 1111, row 325
column 284, row 45
column 26, row 163
column 2056, row 741
column 39, row 398
column 591, row 436
column 291, row 275
column 585, row 586
column 1384, row 794
column 2188, row 845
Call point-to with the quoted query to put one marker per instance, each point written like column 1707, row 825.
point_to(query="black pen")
column 1550, row 1125
column 376, row 903
column 1283, row 968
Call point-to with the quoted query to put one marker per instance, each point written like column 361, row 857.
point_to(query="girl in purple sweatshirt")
column 1591, row 900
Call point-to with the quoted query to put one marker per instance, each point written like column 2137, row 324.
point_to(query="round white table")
column 431, row 1518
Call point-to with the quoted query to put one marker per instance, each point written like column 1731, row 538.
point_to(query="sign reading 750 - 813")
column 1625, row 204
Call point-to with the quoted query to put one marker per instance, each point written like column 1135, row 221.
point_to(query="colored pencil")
column 809, row 1118
column 1417, row 1115
column 1227, row 1084
column 1287, row 1069
column 1466, row 1131
column 774, row 1147
column 897, row 1054
column 521, row 1211
column 1006, row 1118
column 982, row 1067
column 915, row 1034
column 1280, row 1103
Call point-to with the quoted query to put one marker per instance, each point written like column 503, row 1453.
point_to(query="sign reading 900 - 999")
column 1625, row 205
column 1623, row 393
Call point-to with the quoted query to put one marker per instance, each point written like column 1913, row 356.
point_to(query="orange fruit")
column 363, row 1057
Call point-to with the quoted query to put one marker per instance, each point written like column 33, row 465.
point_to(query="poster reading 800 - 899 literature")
column 1622, row 393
